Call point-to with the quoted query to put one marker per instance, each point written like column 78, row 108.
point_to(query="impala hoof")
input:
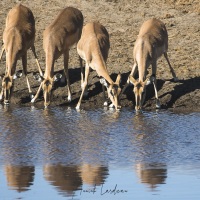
column 105, row 103
column 69, row 98
column 111, row 106
column 158, row 106
column 6, row 102
column 37, row 77
column 31, row 96
column 77, row 107
column 118, row 108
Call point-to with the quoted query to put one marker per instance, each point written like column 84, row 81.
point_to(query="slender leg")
column 38, row 64
column 24, row 64
column 156, row 95
column 1, row 95
column 82, row 77
column 37, row 94
column 3, row 49
column 143, row 97
column 87, row 70
column 154, row 81
column 104, row 96
column 171, row 68
column 66, row 59
column 134, row 69
column 82, row 70
column 133, row 72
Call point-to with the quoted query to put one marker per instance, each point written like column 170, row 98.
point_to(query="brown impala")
column 58, row 37
column 151, row 43
column 18, row 37
column 93, row 47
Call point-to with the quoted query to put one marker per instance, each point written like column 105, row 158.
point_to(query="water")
column 60, row 153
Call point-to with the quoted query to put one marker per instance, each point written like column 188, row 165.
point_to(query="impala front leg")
column 84, row 86
column 1, row 95
column 37, row 94
column 153, row 79
column 104, row 96
column 66, row 59
column 156, row 95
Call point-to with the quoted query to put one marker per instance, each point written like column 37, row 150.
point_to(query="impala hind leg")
column 83, row 77
column 171, row 68
column 82, row 70
column 24, row 64
column 133, row 72
column 3, row 49
column 84, row 85
column 36, row 59
column 66, row 60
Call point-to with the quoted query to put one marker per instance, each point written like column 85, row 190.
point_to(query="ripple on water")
column 63, row 135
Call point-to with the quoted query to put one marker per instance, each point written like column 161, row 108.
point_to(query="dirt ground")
column 122, row 18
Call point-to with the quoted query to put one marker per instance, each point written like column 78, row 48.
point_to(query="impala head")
column 7, row 87
column 139, row 89
column 113, row 91
column 47, row 85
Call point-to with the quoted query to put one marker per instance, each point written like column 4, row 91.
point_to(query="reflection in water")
column 152, row 147
column 78, row 144
column 93, row 174
column 151, row 142
column 82, row 148
column 19, row 178
column 65, row 178
column 151, row 174
column 18, row 139
column 16, row 148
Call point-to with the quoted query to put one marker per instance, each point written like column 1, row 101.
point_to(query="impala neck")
column 101, row 69
column 102, row 72
column 142, row 66
column 49, row 71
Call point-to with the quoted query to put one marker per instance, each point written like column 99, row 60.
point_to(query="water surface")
column 60, row 153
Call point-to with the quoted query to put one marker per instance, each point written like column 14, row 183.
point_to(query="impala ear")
column 132, row 80
column 104, row 82
column 57, row 77
column 118, row 79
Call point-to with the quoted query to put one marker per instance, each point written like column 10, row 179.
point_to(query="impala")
column 93, row 47
column 58, row 37
column 151, row 43
column 18, row 37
